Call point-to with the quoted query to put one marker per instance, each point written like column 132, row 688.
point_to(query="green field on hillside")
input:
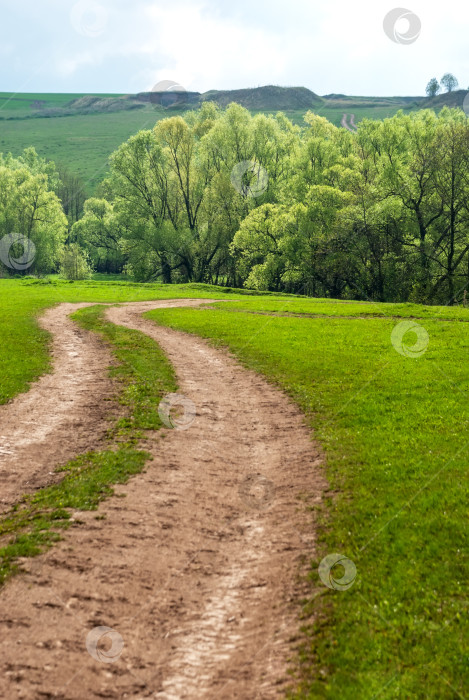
column 82, row 143
column 364, row 107
column 392, row 420
column 25, row 103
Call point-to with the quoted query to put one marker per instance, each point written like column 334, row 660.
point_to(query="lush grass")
column 82, row 143
column 347, row 309
column 21, row 301
column 145, row 376
column 394, row 430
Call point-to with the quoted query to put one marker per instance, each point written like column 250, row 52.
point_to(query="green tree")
column 451, row 182
column 74, row 263
column 378, row 214
column 175, row 202
column 98, row 233
column 29, row 207
column 398, row 156
column 71, row 191
column 449, row 82
column 433, row 87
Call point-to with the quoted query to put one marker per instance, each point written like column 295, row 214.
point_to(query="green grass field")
column 24, row 103
column 393, row 430
column 82, row 143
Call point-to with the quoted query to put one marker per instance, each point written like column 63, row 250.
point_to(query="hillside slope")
column 448, row 99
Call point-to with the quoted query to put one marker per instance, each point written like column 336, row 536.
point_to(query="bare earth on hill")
column 196, row 567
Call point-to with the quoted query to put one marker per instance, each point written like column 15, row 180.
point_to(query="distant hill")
column 167, row 100
column 268, row 98
column 295, row 101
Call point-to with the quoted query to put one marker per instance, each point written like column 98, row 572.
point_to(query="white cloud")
column 68, row 67
column 202, row 50
column 338, row 46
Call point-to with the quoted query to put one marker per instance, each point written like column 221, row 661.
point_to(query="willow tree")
column 176, row 204
column 30, row 208
column 418, row 162
column 98, row 232
column 450, row 177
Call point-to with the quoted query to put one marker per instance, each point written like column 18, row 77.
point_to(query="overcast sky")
column 127, row 46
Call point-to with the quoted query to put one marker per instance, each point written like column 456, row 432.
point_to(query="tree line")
column 224, row 197
column 449, row 82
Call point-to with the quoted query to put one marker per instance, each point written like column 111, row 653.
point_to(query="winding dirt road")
column 196, row 568
column 353, row 126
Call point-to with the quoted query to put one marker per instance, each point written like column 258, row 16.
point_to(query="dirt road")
column 195, row 568
column 352, row 127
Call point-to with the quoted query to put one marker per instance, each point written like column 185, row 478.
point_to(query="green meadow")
column 82, row 143
column 392, row 421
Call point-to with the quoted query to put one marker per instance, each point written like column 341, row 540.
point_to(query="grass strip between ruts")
column 144, row 375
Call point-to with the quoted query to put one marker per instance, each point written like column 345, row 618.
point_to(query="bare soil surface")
column 196, row 568
column 344, row 123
